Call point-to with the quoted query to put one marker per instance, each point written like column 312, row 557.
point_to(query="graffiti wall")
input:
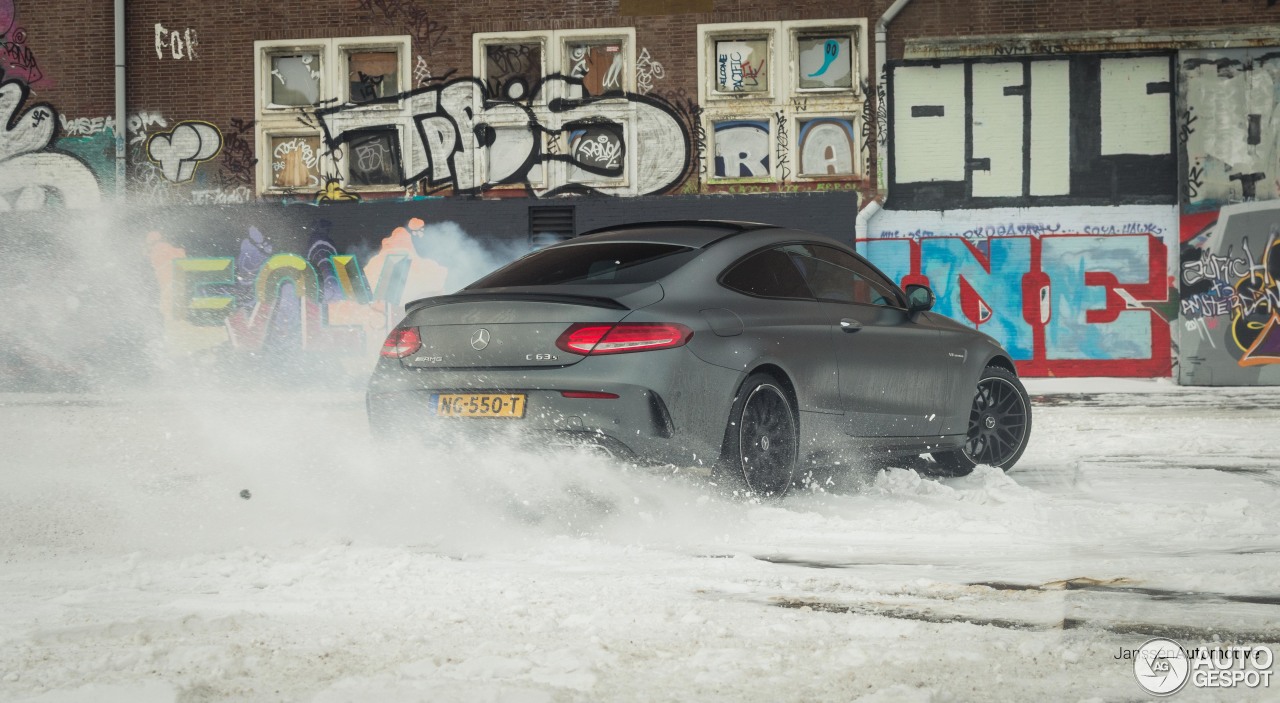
column 170, row 162
column 1229, row 131
column 1081, row 130
column 1068, row 291
column 1037, row 195
column 34, row 175
column 298, row 294
column 558, row 138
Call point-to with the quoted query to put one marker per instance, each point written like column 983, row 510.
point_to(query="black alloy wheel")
column 999, row 425
column 764, row 440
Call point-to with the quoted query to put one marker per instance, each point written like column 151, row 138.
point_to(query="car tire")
column 999, row 426
column 762, row 440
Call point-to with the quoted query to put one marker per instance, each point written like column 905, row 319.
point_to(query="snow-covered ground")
column 205, row 546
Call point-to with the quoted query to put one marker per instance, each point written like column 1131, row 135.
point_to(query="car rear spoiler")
column 567, row 299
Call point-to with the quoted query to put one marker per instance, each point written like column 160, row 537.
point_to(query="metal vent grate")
column 550, row 224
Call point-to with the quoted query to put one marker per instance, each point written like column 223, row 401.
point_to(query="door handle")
column 848, row 325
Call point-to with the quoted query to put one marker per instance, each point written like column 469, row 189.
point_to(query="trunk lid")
column 502, row 328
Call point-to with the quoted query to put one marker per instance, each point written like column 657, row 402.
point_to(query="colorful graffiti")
column 1063, row 305
column 1230, row 265
column 1229, row 312
column 188, row 162
column 1069, row 291
column 320, row 300
column 19, row 61
column 517, row 141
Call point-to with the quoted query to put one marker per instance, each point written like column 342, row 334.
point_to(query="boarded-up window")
column 372, row 75
column 600, row 66
column 295, row 162
column 827, row 147
column 511, row 70
column 295, row 79
column 375, row 158
column 742, row 149
column 826, row 61
column 741, row 65
column 597, row 152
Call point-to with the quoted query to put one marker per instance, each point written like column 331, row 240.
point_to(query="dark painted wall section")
column 295, row 294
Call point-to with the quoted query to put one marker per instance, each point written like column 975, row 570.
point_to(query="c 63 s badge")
column 541, row 357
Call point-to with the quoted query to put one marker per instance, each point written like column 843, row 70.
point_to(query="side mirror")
column 919, row 298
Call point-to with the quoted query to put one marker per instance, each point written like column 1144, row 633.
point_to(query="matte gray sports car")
column 757, row 349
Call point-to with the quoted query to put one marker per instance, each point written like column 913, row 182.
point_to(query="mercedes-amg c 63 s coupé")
column 756, row 349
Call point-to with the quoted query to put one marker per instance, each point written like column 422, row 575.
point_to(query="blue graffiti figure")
column 830, row 52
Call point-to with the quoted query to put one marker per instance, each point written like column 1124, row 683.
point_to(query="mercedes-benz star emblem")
column 480, row 339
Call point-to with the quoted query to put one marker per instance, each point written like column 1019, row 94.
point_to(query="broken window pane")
column 295, row 79
column 375, row 158
column 598, row 65
column 295, row 162
column 741, row 65
column 826, row 61
column 512, row 70
column 372, row 75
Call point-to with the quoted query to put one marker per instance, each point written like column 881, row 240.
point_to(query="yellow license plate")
column 480, row 405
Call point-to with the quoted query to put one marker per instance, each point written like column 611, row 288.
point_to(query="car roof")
column 690, row 233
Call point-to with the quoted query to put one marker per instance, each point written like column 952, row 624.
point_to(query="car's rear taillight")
column 402, row 342
column 591, row 338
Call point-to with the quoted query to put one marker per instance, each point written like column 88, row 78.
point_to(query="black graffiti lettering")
column 414, row 19
column 440, row 135
column 1248, row 183
column 510, row 135
column 1195, row 180
column 1186, row 130
column 784, row 146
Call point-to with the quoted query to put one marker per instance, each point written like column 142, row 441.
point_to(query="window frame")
column 555, row 63
column 273, row 121
column 786, row 104
column 270, row 135
column 345, row 46
column 856, row 30
column 710, row 34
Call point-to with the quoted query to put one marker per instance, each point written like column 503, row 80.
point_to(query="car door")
column 767, row 293
column 892, row 365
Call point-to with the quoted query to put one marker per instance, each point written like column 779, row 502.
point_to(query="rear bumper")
column 671, row 406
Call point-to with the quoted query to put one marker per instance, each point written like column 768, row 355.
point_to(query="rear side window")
column 768, row 274
column 837, row 276
column 590, row 264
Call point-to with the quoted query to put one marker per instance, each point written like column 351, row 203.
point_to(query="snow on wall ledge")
column 1069, row 291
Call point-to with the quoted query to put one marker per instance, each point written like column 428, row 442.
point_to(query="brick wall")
column 72, row 41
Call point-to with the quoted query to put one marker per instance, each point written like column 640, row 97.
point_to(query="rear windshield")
column 586, row 264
